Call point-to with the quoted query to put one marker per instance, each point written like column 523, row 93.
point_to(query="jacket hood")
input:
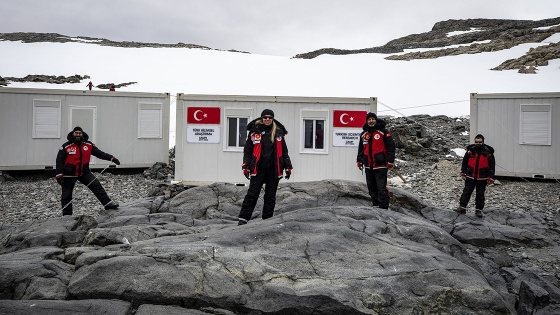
column 253, row 126
column 69, row 137
column 487, row 148
column 379, row 125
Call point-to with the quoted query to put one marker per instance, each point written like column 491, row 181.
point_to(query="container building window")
column 150, row 120
column 46, row 118
column 314, row 133
column 535, row 125
column 236, row 129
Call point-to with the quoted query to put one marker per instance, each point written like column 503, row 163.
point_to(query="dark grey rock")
column 150, row 309
column 45, row 307
column 531, row 298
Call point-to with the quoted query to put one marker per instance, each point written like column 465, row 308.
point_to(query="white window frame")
column 92, row 133
column 535, row 124
column 307, row 114
column 46, row 119
column 235, row 113
column 148, row 114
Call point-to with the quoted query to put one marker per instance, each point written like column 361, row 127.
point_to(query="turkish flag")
column 203, row 115
column 349, row 118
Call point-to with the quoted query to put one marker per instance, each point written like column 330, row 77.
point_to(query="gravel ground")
column 36, row 195
column 441, row 185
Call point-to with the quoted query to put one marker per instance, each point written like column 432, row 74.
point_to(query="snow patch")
column 458, row 152
column 473, row 29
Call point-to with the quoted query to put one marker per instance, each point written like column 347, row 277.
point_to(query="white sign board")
column 203, row 134
column 346, row 137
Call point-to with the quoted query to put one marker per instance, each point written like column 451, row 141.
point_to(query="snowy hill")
column 417, row 86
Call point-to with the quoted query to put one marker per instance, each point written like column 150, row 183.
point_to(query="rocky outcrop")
column 54, row 79
column 107, row 86
column 534, row 58
column 60, row 79
column 503, row 40
column 420, row 136
column 478, row 36
column 29, row 37
column 326, row 251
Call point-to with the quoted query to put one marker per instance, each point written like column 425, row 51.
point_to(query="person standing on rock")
column 72, row 164
column 265, row 157
column 376, row 153
column 477, row 170
column 90, row 85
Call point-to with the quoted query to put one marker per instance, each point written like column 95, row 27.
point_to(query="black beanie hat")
column 267, row 112
column 369, row 115
column 77, row 129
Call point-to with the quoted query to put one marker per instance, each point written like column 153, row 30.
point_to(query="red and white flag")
column 203, row 115
column 349, row 118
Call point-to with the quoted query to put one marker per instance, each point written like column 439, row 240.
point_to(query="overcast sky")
column 275, row 27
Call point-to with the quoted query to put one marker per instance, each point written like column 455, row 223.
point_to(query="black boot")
column 111, row 205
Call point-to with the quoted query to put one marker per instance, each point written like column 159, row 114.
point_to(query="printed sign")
column 203, row 115
column 346, row 137
column 203, row 134
column 349, row 118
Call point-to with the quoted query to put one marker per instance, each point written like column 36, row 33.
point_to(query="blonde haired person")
column 265, row 158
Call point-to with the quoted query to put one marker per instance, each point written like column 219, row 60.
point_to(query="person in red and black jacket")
column 265, row 158
column 477, row 170
column 72, row 164
column 376, row 153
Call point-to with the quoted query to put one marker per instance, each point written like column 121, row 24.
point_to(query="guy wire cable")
column 416, row 121
column 451, row 140
column 59, row 212
column 426, row 105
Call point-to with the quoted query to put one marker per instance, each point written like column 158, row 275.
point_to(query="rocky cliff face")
column 475, row 36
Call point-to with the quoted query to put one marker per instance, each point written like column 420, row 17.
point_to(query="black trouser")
column 470, row 185
column 376, row 180
column 87, row 179
column 270, row 180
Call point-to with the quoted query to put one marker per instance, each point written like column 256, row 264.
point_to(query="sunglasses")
column 267, row 117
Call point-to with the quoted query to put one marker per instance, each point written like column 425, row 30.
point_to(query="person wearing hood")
column 477, row 170
column 72, row 164
column 376, row 153
column 265, row 158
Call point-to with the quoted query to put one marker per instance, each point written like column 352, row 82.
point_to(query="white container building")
column 322, row 140
column 523, row 128
column 34, row 124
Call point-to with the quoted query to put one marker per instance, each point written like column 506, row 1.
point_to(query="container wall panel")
column 116, row 127
column 210, row 162
column 498, row 118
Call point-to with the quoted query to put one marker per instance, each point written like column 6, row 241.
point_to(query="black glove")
column 116, row 161
column 246, row 172
column 59, row 180
column 288, row 173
